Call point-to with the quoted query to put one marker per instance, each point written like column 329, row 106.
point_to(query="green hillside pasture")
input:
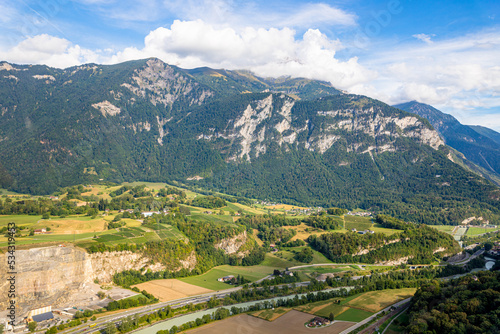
column 208, row 280
column 365, row 223
column 138, row 235
column 273, row 261
column 359, row 223
column 379, row 229
column 213, row 218
column 246, row 209
column 444, row 228
column 289, row 254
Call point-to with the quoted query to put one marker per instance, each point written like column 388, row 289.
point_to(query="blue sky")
column 444, row 53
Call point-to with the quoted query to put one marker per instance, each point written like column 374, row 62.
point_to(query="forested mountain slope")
column 290, row 140
column 477, row 144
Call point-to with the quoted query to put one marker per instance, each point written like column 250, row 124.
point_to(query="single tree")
column 32, row 326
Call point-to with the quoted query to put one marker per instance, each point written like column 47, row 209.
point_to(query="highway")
column 118, row 317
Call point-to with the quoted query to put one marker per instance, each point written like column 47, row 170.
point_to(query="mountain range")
column 298, row 141
column 479, row 145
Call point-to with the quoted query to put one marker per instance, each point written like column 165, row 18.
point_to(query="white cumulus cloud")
column 268, row 52
column 48, row 50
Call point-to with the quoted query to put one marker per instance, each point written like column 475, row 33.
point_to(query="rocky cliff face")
column 232, row 245
column 279, row 119
column 47, row 276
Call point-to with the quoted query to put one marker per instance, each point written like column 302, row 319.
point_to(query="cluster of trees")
column 132, row 302
column 40, row 206
column 164, row 192
column 270, row 227
column 305, row 255
column 336, row 211
column 322, row 221
column 279, row 278
column 470, row 304
column 417, row 242
column 276, row 234
column 208, row 202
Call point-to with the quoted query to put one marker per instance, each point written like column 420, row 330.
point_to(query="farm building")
column 226, row 278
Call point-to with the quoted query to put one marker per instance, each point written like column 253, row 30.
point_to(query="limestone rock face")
column 45, row 275
column 49, row 275
column 232, row 245
column 275, row 119
column 104, row 265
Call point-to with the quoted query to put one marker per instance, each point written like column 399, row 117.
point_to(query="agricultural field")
column 358, row 307
column 375, row 301
column 270, row 314
column 291, row 322
column 170, row 289
column 444, row 228
column 304, row 231
column 20, row 220
column 473, row 231
column 357, row 222
column 85, row 231
column 354, row 315
column 72, row 224
column 323, row 307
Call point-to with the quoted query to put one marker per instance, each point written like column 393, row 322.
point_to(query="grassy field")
column 20, row 220
column 359, row 223
column 473, row 231
column 288, row 254
column 331, row 308
column 444, row 228
column 379, row 229
column 208, row 280
column 354, row 315
column 375, row 301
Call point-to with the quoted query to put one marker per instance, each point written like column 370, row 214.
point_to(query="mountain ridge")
column 477, row 148
column 224, row 130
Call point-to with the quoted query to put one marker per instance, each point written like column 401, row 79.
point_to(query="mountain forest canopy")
column 295, row 141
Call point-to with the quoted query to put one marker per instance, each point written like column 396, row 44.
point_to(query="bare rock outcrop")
column 50, row 275
column 232, row 245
